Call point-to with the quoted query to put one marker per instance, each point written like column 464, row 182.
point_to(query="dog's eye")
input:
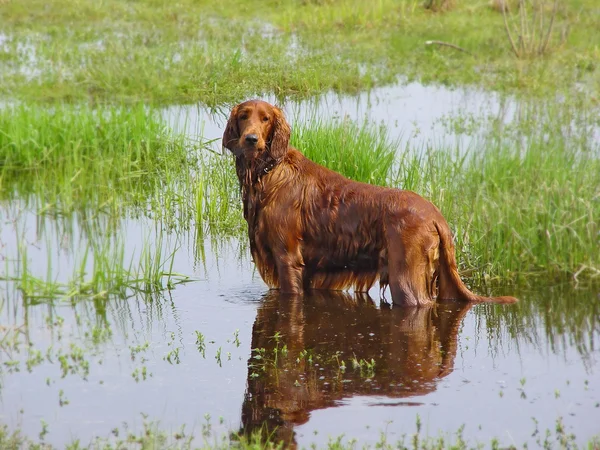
column 265, row 119
column 243, row 117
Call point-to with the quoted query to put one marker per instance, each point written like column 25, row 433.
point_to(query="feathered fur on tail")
column 450, row 284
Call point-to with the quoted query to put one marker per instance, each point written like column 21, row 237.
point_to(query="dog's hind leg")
column 411, row 270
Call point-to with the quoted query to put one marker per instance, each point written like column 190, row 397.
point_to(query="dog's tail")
column 450, row 284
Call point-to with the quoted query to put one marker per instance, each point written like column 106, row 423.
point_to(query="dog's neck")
column 250, row 173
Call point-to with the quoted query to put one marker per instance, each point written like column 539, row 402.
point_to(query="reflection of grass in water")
column 101, row 271
column 551, row 318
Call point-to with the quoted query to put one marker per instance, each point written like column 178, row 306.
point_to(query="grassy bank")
column 526, row 205
column 80, row 171
column 69, row 157
column 212, row 52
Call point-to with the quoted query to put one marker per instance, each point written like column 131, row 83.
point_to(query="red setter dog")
column 312, row 228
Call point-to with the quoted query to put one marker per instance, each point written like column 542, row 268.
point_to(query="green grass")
column 361, row 152
column 523, row 201
column 72, row 156
column 191, row 51
column 81, row 171
column 99, row 269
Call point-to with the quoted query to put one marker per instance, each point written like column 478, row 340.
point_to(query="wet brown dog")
column 312, row 228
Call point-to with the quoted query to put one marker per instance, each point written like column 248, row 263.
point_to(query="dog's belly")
column 344, row 250
column 335, row 259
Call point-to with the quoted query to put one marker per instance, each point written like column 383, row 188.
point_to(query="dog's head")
column 255, row 127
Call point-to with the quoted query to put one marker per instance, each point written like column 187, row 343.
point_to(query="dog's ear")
column 231, row 135
column 280, row 135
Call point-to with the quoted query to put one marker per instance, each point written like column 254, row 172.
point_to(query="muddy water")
column 223, row 354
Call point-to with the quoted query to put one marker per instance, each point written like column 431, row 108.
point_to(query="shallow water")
column 452, row 366
column 413, row 113
column 330, row 364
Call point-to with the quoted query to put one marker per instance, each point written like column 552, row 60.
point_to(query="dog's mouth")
column 249, row 150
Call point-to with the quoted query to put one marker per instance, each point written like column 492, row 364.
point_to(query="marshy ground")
column 130, row 313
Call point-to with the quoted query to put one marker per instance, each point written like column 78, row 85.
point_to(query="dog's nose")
column 252, row 139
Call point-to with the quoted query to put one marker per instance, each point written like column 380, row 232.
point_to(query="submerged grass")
column 153, row 437
column 215, row 52
column 101, row 268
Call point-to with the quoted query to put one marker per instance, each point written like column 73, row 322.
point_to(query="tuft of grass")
column 216, row 197
column 67, row 157
column 523, row 203
column 361, row 152
column 534, row 27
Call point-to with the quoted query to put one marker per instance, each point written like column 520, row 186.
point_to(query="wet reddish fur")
column 312, row 228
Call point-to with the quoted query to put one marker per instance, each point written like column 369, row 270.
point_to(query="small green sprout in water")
column 62, row 400
column 135, row 350
column 141, row 373
column 416, row 435
column 340, row 362
column 200, row 343
column 206, row 427
column 44, row 431
column 236, row 338
column 218, row 357
column 99, row 334
column 35, row 359
column 367, row 368
column 305, row 355
column 173, row 356
column 523, row 395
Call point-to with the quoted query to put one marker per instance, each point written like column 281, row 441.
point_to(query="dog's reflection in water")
column 312, row 350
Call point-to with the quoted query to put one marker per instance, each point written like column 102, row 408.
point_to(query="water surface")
column 223, row 351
